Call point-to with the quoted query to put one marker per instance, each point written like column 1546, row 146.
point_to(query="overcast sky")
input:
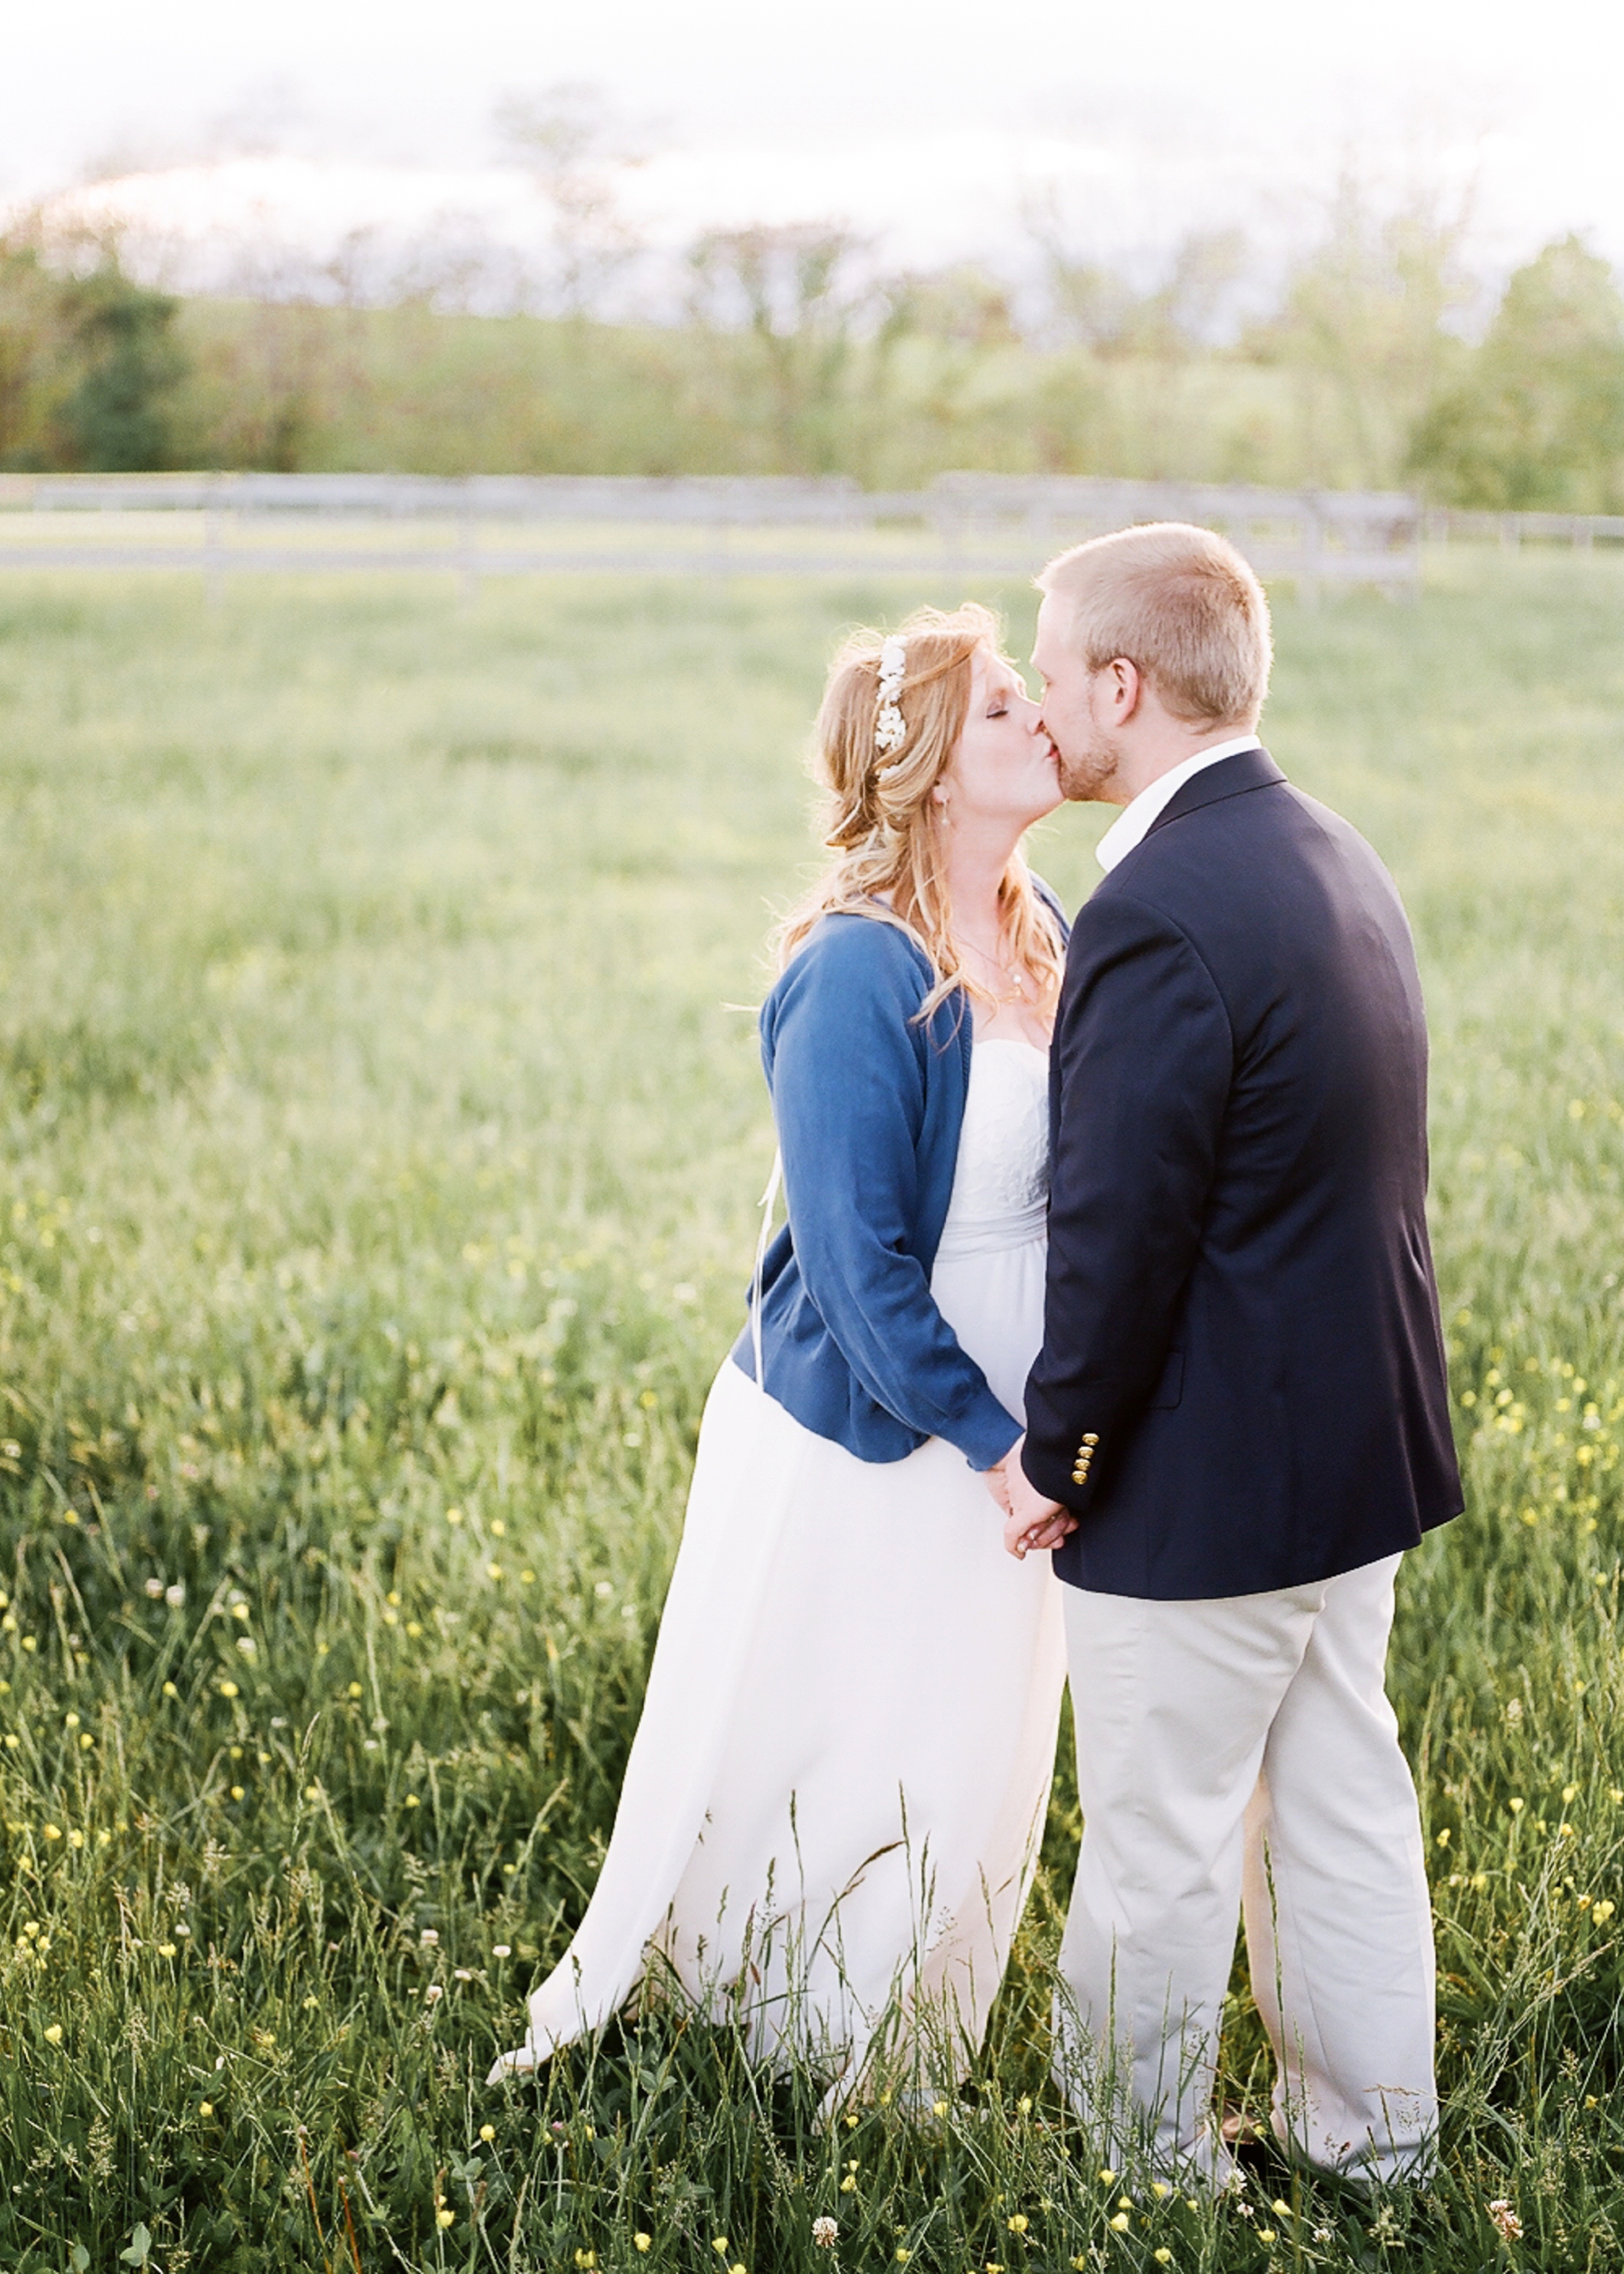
column 914, row 116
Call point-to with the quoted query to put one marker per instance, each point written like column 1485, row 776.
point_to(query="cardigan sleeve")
column 847, row 1071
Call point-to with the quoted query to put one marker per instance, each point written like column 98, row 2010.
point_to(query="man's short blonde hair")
column 1180, row 604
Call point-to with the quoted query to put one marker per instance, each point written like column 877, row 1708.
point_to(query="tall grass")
column 379, row 1138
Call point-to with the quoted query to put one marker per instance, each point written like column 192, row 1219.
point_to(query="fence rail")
column 231, row 523
column 1580, row 529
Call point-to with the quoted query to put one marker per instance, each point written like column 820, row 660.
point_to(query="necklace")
column 1013, row 971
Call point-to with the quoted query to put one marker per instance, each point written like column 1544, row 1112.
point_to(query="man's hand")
column 1029, row 1520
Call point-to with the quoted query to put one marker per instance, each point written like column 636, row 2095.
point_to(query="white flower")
column 155, row 1588
column 175, row 1596
column 825, row 2231
column 890, row 728
column 429, row 1937
column 1505, row 2220
column 434, row 1992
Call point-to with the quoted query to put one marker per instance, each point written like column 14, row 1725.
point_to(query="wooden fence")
column 1582, row 530
column 477, row 526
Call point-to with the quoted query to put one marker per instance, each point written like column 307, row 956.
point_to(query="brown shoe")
column 1239, row 2130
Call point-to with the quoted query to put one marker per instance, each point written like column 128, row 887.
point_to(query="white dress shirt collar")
column 1132, row 823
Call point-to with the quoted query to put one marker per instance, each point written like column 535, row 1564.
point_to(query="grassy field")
column 380, row 1128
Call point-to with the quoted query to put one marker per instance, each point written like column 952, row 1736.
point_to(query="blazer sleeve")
column 1143, row 1066
column 848, row 1074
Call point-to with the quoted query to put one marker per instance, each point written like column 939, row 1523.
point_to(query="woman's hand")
column 1029, row 1520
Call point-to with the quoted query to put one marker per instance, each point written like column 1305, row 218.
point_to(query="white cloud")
column 921, row 120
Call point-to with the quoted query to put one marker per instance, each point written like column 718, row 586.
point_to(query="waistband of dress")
column 982, row 1236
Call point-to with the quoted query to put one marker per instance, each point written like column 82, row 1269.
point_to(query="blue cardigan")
column 869, row 1102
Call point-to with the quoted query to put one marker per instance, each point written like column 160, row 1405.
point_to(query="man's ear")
column 1127, row 689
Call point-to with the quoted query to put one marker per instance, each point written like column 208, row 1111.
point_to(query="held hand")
column 997, row 1483
column 1031, row 1521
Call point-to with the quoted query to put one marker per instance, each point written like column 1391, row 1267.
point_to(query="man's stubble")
column 1086, row 775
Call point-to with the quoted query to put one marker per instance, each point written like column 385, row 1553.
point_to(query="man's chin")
column 1085, row 789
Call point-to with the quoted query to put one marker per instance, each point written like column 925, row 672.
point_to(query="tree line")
column 789, row 353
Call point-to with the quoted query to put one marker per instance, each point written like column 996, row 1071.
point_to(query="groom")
column 1238, row 1419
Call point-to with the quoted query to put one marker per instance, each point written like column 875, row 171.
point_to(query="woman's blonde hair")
column 885, row 827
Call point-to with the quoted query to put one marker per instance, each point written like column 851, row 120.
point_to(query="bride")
column 833, row 1803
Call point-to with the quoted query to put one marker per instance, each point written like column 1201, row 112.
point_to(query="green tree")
column 115, row 415
column 1538, row 421
column 1364, row 334
column 790, row 290
column 33, row 342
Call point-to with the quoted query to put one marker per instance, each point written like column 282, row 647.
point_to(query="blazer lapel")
column 1229, row 778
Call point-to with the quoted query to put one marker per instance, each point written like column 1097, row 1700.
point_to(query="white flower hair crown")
column 889, row 727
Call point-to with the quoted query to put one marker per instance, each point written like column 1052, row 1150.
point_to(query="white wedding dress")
column 835, row 1797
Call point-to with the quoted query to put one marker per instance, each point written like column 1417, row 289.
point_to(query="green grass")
column 379, row 1137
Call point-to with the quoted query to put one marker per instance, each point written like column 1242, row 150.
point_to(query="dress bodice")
column 1001, row 1183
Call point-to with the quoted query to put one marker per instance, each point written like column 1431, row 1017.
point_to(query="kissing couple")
column 1108, row 1240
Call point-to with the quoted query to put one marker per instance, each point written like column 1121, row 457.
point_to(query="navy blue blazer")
column 1242, row 1384
column 868, row 1101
